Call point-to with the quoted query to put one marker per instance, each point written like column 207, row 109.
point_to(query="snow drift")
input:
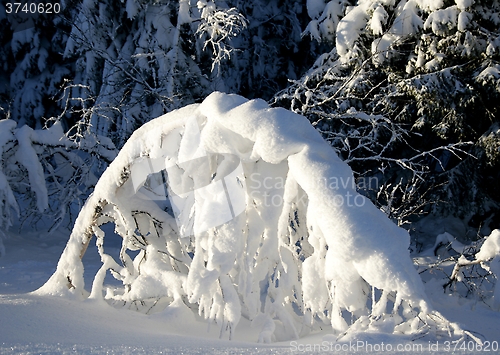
column 259, row 219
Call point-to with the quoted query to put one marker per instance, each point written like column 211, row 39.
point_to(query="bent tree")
column 224, row 208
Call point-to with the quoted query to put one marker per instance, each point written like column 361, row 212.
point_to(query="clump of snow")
column 349, row 29
column 491, row 72
column 33, row 162
column 22, row 141
column 184, row 14
column 325, row 19
column 315, row 8
column 489, row 258
column 491, row 247
column 373, row 15
column 464, row 18
column 379, row 19
column 407, row 23
column 448, row 239
column 292, row 252
column 27, row 156
column 131, row 8
column 429, row 5
column 443, row 20
column 464, row 4
column 347, row 24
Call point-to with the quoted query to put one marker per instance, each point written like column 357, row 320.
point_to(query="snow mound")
column 259, row 219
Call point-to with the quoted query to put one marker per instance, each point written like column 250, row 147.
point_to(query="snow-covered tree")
column 132, row 63
column 232, row 209
column 33, row 68
column 403, row 78
column 144, row 59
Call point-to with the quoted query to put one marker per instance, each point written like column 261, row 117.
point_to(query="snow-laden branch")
column 217, row 28
column 250, row 225
column 488, row 257
column 43, row 172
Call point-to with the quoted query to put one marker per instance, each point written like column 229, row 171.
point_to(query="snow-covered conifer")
column 33, row 68
column 425, row 68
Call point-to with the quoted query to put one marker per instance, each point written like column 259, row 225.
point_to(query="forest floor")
column 31, row 324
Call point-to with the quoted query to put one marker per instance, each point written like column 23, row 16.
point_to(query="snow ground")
column 31, row 324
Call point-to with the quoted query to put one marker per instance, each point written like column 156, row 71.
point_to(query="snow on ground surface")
column 32, row 324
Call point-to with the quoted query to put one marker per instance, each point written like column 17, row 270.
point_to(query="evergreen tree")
column 131, row 63
column 402, row 78
column 138, row 61
column 33, row 68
